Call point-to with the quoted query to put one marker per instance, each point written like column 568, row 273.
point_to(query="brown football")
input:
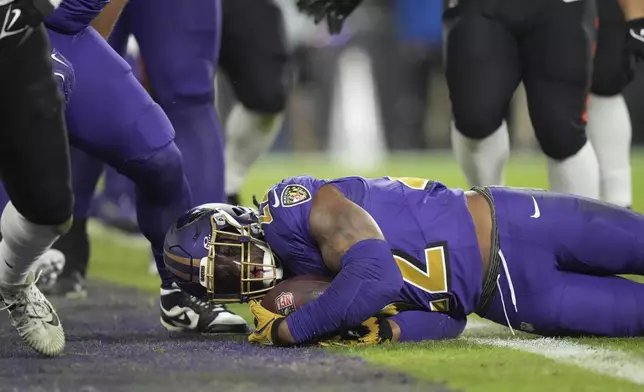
column 288, row 296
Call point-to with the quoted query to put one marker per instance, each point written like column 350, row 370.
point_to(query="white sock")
column 578, row 174
column 482, row 161
column 248, row 136
column 609, row 130
column 23, row 242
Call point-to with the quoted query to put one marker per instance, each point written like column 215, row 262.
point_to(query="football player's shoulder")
column 285, row 206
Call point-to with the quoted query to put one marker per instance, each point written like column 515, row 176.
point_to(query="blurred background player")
column 609, row 122
column 180, row 46
column 255, row 60
column 112, row 118
column 33, row 132
column 491, row 47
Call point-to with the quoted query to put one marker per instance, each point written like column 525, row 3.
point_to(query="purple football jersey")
column 427, row 225
column 72, row 16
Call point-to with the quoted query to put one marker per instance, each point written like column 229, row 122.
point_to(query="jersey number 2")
column 418, row 184
column 432, row 276
column 265, row 216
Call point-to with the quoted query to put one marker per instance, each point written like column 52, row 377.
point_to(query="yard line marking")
column 600, row 360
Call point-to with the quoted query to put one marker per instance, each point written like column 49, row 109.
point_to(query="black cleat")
column 181, row 312
column 70, row 286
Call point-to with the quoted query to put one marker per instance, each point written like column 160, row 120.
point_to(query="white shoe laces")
column 206, row 304
column 28, row 305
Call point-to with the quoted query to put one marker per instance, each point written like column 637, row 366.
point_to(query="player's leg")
column 559, row 303
column 124, row 128
column 588, row 236
column 600, row 305
column 557, row 60
column 609, row 122
column 116, row 204
column 131, row 133
column 559, row 253
column 481, row 94
column 34, row 166
column 64, row 267
column 253, row 54
column 180, row 47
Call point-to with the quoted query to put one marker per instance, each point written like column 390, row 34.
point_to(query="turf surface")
column 115, row 343
column 118, row 331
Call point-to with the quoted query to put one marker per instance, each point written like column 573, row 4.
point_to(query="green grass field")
column 487, row 357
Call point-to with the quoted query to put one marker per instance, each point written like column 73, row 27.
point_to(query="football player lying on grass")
column 533, row 260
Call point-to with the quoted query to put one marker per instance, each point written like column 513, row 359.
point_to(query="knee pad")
column 265, row 89
column 160, row 174
column 478, row 122
column 263, row 98
column 186, row 81
column 611, row 76
column 559, row 138
column 49, row 204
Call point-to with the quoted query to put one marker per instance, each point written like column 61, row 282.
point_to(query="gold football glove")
column 396, row 307
column 266, row 325
column 375, row 330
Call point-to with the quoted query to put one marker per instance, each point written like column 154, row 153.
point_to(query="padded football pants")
column 34, row 151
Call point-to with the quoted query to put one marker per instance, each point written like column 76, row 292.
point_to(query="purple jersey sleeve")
column 284, row 216
column 73, row 16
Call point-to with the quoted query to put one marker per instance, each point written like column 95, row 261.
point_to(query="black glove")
column 375, row 330
column 335, row 11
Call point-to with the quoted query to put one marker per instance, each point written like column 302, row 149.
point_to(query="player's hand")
column 375, row 330
column 266, row 325
column 335, row 11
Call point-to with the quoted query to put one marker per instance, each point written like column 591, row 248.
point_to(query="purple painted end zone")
column 116, row 343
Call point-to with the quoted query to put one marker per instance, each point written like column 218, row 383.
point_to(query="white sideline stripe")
column 604, row 361
column 476, row 325
column 599, row 360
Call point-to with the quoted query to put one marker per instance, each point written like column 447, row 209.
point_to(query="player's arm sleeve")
column 419, row 325
column 367, row 280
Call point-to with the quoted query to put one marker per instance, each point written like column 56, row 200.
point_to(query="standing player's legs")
column 609, row 122
column 127, row 130
column 557, row 61
column 116, row 204
column 561, row 253
column 63, row 267
column 255, row 58
column 71, row 252
column 180, row 46
column 481, row 94
column 34, row 166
